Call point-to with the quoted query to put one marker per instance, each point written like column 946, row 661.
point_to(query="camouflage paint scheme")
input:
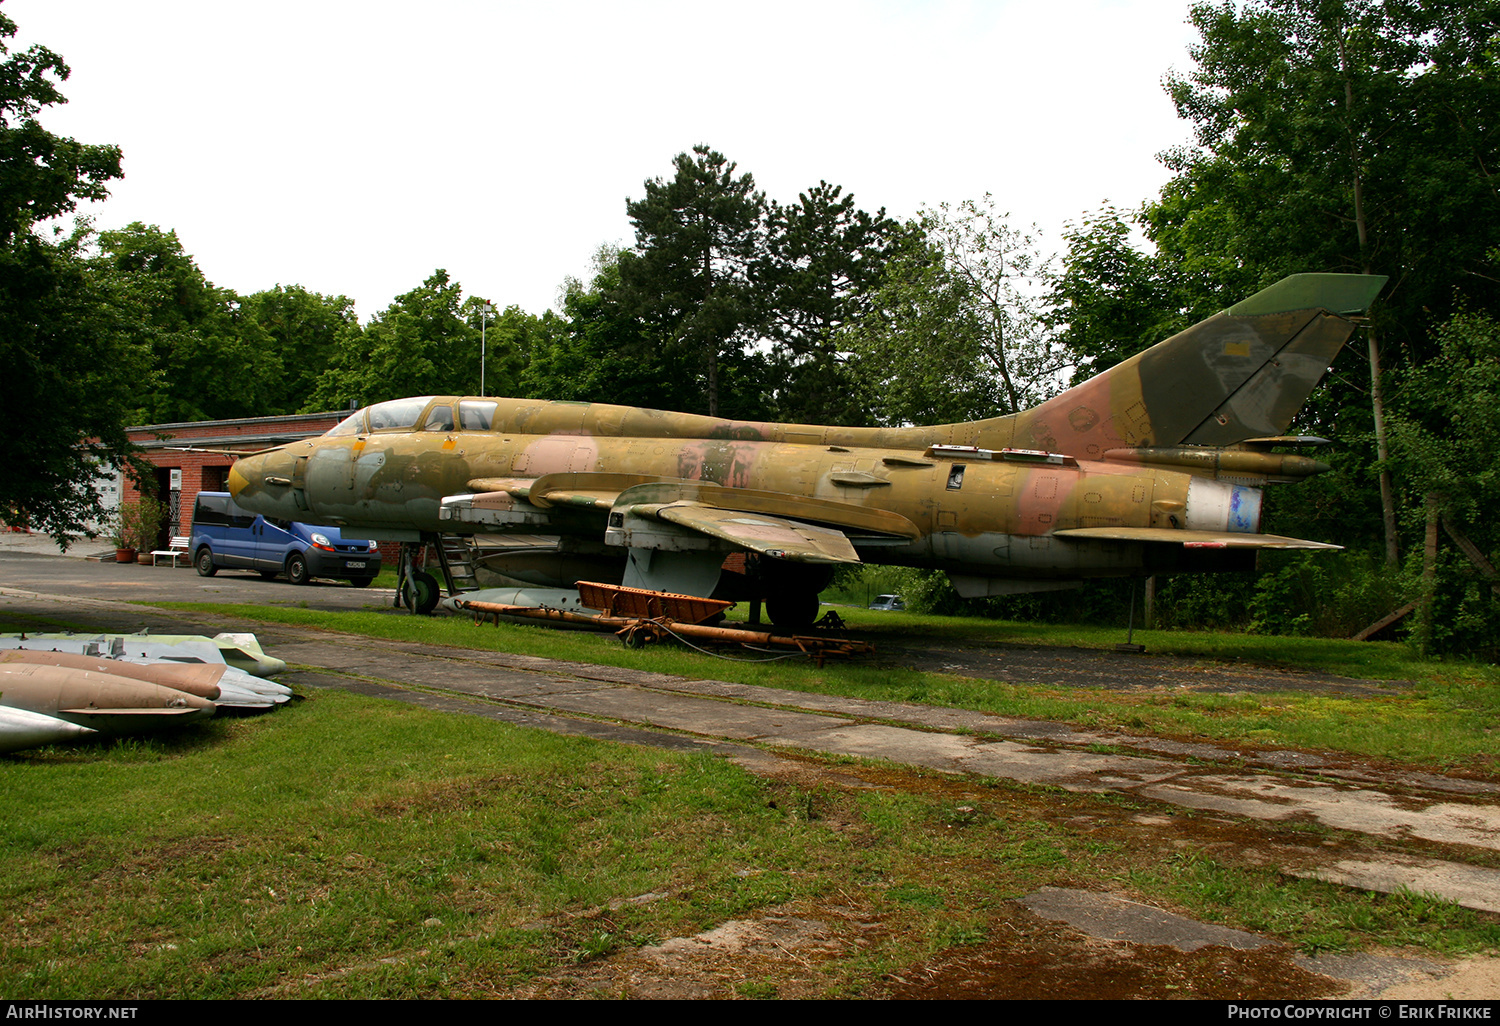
column 1153, row 466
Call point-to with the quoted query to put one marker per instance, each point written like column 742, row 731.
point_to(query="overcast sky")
column 352, row 146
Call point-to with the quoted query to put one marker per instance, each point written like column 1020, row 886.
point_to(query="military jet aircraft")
column 1154, row 466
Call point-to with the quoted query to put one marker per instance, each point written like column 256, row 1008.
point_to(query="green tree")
column 302, row 331
column 1445, row 437
column 511, row 340
column 210, row 366
column 1111, row 300
column 690, row 276
column 1446, row 422
column 597, row 352
column 1340, row 135
column 915, row 353
column 956, row 329
column 824, row 257
column 45, row 174
column 425, row 343
column 68, row 376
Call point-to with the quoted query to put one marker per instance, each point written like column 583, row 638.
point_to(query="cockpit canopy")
column 442, row 414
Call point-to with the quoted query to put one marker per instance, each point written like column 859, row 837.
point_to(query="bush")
column 1325, row 594
column 1465, row 610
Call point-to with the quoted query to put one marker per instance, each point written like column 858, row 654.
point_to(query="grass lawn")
column 1445, row 719
column 353, row 847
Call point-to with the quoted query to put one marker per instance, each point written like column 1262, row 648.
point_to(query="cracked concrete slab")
column 1374, row 975
column 1111, row 918
column 957, row 753
column 697, row 715
column 1473, row 887
column 1342, row 807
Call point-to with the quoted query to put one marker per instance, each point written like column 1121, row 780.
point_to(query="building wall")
column 208, row 471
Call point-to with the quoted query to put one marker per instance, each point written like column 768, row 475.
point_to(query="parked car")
column 888, row 602
column 226, row 536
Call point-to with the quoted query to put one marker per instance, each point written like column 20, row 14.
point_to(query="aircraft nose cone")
column 262, row 484
column 237, row 479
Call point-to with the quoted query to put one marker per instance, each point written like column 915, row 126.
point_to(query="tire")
column 204, row 562
column 361, row 582
column 296, row 569
column 790, row 610
column 791, row 591
column 422, row 592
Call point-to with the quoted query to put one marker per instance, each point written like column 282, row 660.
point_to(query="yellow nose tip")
column 237, row 480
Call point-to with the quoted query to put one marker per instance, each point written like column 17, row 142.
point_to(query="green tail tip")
column 1336, row 293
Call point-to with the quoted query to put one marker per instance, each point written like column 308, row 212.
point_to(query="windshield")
column 350, row 425
column 398, row 414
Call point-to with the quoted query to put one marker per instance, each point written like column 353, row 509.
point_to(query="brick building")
column 181, row 475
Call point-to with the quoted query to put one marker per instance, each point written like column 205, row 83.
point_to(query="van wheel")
column 204, row 561
column 296, row 569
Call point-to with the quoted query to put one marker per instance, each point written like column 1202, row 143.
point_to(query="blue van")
column 225, row 535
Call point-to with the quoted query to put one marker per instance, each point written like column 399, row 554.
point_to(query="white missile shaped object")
column 22, row 728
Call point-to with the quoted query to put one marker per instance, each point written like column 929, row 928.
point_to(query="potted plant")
column 138, row 524
column 115, row 528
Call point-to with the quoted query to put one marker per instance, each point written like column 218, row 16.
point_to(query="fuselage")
column 386, row 470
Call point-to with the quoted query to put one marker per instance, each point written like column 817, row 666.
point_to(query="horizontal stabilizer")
column 1192, row 539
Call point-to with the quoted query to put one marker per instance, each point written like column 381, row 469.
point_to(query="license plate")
column 356, row 565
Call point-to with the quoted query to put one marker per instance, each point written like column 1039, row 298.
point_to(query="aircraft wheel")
column 422, row 592
column 204, row 562
column 791, row 610
column 296, row 569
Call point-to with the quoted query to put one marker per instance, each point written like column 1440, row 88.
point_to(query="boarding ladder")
column 456, row 555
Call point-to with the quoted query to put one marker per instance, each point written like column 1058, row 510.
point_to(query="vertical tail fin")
column 1243, row 373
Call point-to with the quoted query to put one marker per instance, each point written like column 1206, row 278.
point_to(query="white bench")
column 179, row 547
